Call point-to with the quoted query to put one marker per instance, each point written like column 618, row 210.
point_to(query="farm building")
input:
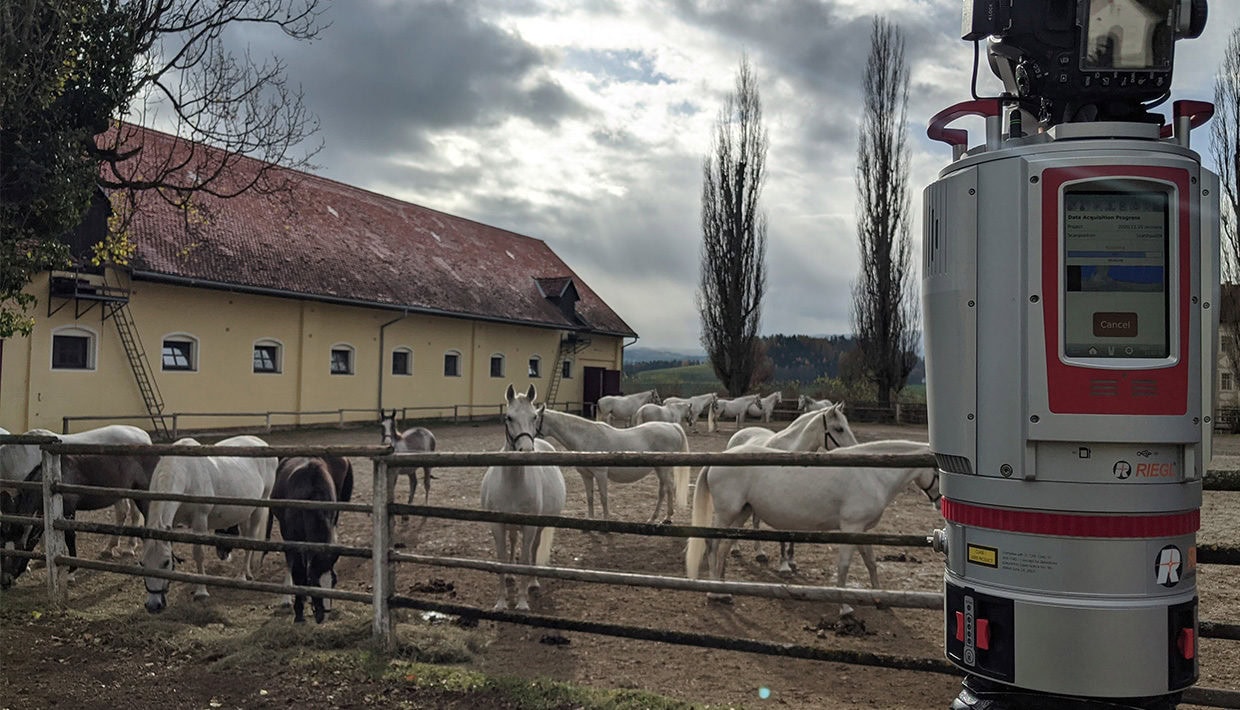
column 324, row 298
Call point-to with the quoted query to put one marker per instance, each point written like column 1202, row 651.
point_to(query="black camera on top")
column 1070, row 61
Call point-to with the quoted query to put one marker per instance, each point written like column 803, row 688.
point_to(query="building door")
column 599, row 382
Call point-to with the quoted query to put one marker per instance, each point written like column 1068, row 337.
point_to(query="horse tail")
column 681, row 475
column 702, row 505
column 543, row 554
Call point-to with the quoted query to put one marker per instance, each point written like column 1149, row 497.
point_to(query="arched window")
column 179, row 353
column 535, row 367
column 497, row 365
column 268, row 356
column 73, row 348
column 402, row 361
column 452, row 363
column 342, row 359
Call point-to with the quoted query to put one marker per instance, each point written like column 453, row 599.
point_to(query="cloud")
column 584, row 123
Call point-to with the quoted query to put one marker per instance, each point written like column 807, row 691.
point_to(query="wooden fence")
column 383, row 597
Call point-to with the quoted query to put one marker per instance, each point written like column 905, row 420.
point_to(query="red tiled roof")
column 336, row 242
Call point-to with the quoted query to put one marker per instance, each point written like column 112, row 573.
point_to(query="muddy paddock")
column 102, row 653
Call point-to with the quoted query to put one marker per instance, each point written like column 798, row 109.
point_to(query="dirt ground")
column 92, row 657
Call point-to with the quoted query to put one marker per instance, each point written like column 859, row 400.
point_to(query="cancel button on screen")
column 1115, row 325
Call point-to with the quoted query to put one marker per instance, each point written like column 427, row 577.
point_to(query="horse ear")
column 531, row 393
column 510, row 394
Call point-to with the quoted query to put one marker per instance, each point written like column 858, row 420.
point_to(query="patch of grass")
column 342, row 640
column 538, row 694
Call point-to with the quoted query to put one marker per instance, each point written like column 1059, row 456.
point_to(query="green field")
column 684, row 381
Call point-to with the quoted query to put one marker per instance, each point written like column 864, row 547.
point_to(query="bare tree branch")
column 885, row 318
column 733, row 278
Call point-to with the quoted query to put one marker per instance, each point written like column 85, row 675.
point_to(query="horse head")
column 654, row 396
column 835, row 429
column 522, row 420
column 387, row 425
column 19, row 536
column 927, row 479
column 157, row 555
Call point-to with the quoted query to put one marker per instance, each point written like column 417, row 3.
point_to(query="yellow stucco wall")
column 225, row 326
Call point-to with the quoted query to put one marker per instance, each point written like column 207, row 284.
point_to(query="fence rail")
column 385, row 557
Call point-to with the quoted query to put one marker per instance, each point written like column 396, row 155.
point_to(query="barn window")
column 73, row 348
column 402, row 361
column 342, row 360
column 566, row 370
column 179, row 353
column 535, row 370
column 1225, row 381
column 267, row 356
column 452, row 364
column 497, row 365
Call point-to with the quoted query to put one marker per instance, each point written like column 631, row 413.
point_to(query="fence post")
column 53, row 539
column 175, row 431
column 340, row 423
column 64, row 425
column 455, row 414
column 898, row 413
column 268, row 426
column 381, row 522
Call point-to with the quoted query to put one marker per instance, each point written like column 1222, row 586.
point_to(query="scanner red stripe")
column 1036, row 522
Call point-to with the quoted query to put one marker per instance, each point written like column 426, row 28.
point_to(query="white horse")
column 697, row 405
column 219, row 476
column 674, row 412
column 806, row 403
column 535, row 490
column 624, row 407
column 417, row 439
column 18, row 460
column 811, row 431
column 731, row 409
column 578, row 434
column 803, row 498
column 765, row 405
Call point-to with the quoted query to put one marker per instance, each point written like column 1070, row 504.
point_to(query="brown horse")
column 131, row 472
column 339, row 472
column 313, row 479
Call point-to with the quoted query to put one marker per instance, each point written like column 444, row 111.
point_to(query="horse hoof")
column 201, row 596
column 667, row 521
column 523, row 606
column 785, row 572
column 719, row 598
column 500, row 606
column 760, row 557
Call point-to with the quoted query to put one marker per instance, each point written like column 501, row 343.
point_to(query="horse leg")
column 846, row 553
column 658, row 503
column 413, row 486
column 787, row 565
column 71, row 544
column 723, row 547
column 200, row 591
column 667, row 486
column 138, row 509
column 120, row 511
column 587, row 479
column 298, row 570
column 758, row 554
column 501, row 553
column 287, row 599
column 600, row 478
column 426, row 485
column 529, row 543
column 867, row 556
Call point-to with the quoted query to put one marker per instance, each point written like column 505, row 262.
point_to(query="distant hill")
column 636, row 354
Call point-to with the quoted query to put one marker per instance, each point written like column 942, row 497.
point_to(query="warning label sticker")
column 984, row 556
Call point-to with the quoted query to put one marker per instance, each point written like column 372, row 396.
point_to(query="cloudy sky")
column 584, row 123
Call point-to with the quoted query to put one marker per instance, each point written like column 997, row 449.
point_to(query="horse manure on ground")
column 435, row 585
column 849, row 625
column 902, row 557
column 554, row 640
